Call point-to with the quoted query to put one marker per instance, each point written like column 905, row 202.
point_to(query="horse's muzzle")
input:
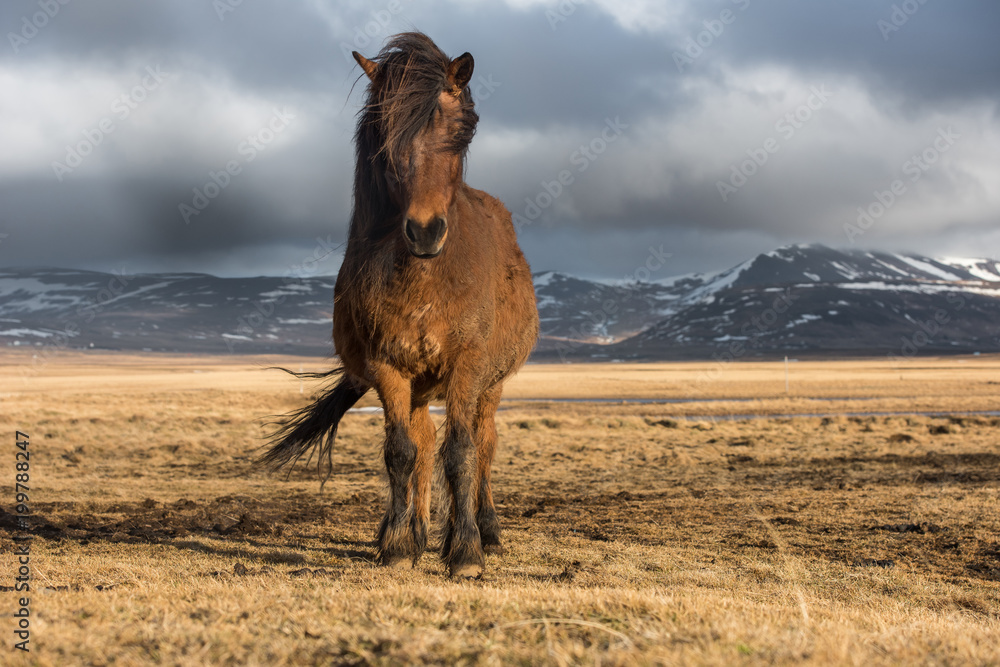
column 425, row 241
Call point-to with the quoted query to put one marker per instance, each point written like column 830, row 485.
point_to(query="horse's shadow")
column 277, row 554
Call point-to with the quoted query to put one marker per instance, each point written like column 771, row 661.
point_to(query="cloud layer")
column 715, row 128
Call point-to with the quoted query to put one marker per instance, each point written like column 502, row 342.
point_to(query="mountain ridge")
column 838, row 301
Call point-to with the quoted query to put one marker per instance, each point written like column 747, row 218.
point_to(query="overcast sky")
column 716, row 130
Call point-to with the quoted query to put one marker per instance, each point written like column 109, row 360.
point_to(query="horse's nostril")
column 408, row 230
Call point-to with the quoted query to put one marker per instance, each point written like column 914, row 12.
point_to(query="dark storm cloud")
column 547, row 76
column 553, row 78
column 262, row 46
column 917, row 52
column 545, row 91
column 904, row 56
column 579, row 72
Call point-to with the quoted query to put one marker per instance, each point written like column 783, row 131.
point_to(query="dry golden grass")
column 632, row 535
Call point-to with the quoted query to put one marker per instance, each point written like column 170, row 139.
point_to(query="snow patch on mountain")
column 983, row 269
column 927, row 267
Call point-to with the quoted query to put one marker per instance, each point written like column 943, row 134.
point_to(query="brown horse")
column 434, row 301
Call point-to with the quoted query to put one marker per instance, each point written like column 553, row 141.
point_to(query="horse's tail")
column 312, row 426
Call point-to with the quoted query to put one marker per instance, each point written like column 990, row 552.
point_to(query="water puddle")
column 435, row 409
column 667, row 401
column 902, row 413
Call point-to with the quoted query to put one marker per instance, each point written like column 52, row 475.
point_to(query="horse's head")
column 420, row 113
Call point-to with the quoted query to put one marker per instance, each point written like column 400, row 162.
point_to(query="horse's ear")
column 370, row 68
column 460, row 71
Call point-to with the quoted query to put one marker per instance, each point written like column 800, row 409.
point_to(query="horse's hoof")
column 468, row 571
column 494, row 549
column 398, row 562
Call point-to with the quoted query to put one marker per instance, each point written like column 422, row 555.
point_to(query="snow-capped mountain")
column 819, row 264
column 797, row 299
column 183, row 312
column 585, row 310
column 817, row 299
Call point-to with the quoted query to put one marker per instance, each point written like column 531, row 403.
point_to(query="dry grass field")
column 838, row 523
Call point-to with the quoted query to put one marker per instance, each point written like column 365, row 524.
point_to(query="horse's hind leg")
column 422, row 430
column 486, row 444
column 396, row 543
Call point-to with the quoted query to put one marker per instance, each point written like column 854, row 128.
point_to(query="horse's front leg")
column 462, row 548
column 423, row 434
column 397, row 546
column 486, row 445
